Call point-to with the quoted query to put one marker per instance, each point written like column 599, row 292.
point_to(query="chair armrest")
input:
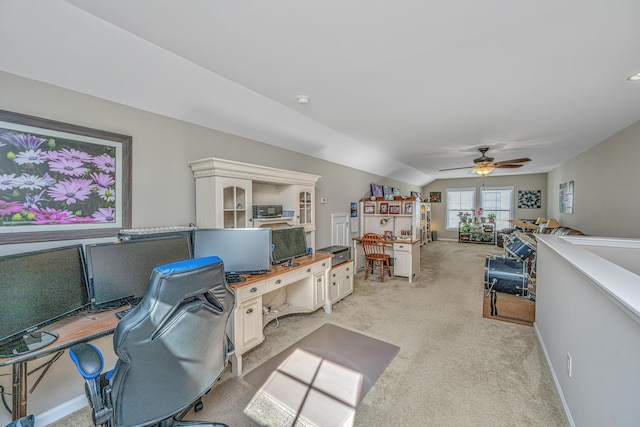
column 88, row 360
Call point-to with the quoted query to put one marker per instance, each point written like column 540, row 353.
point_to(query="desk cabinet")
column 305, row 288
column 406, row 261
column 341, row 281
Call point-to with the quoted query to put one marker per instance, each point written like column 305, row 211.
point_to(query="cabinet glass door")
column 305, row 207
column 235, row 207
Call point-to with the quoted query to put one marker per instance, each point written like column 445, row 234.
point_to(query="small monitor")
column 119, row 272
column 37, row 289
column 242, row 250
column 288, row 243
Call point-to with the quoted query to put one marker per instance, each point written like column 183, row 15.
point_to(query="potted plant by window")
column 492, row 217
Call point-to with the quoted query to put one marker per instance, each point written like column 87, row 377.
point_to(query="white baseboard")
column 567, row 412
column 61, row 411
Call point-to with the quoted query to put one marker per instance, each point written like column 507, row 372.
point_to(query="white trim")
column 65, row 409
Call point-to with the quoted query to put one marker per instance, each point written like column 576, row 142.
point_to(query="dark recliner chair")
column 171, row 348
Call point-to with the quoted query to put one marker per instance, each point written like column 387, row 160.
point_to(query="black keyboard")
column 121, row 314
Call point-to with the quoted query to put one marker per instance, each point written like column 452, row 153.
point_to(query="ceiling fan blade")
column 509, row 166
column 452, row 169
column 520, row 160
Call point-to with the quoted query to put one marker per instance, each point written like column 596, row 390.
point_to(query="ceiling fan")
column 484, row 165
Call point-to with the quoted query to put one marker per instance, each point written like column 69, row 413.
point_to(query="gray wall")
column 606, row 187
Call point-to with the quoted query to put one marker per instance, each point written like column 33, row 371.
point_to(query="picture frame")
column 376, row 190
column 60, row 181
column 408, row 208
column 389, row 196
column 388, row 234
column 384, row 208
column 435, row 196
column 394, row 209
column 387, row 190
column 369, row 209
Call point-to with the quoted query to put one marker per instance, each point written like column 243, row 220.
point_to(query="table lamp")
column 541, row 220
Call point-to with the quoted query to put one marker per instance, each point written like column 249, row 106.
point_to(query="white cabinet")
column 319, row 291
column 248, row 331
column 406, row 261
column 223, row 202
column 227, row 190
column 425, row 223
column 341, row 281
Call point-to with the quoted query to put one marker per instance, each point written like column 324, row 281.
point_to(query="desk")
column 405, row 254
column 305, row 287
column 80, row 327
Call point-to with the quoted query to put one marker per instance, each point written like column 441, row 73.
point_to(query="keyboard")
column 121, row 314
column 136, row 233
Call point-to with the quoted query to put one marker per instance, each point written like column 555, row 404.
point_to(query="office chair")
column 172, row 347
column 373, row 247
column 28, row 421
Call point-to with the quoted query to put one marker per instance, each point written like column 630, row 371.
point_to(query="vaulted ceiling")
column 398, row 88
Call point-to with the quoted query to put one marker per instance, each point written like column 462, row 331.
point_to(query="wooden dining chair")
column 374, row 255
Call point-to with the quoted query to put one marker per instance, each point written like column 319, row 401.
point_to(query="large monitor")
column 119, row 272
column 37, row 289
column 242, row 250
column 288, row 243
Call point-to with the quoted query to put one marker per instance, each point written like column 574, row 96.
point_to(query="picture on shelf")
column 394, row 209
column 384, row 208
column 376, row 190
column 388, row 235
column 408, row 208
column 369, row 209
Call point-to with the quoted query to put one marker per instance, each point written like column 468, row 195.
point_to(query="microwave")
column 267, row 211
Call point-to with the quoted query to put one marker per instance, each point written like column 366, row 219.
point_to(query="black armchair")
column 171, row 348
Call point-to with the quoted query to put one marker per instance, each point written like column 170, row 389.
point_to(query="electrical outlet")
column 569, row 364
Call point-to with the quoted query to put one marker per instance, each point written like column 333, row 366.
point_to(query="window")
column 459, row 200
column 498, row 200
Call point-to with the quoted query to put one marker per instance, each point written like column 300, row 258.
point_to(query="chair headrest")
column 186, row 265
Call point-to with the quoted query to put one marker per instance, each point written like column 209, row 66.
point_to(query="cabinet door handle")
column 324, row 264
column 308, row 270
column 254, row 290
column 250, row 311
column 278, row 281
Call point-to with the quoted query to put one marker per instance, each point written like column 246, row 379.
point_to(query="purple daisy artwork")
column 51, row 178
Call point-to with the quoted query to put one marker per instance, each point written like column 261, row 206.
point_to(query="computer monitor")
column 119, row 272
column 288, row 243
column 37, row 289
column 242, row 250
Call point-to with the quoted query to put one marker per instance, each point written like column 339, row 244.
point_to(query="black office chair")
column 171, row 349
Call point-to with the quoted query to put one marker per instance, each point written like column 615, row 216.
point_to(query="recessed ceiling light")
column 303, row 99
column 634, row 78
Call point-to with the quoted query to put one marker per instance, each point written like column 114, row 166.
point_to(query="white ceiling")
column 398, row 88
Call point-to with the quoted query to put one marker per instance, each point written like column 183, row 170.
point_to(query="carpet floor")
column 454, row 367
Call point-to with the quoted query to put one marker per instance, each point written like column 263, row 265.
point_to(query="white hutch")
column 226, row 191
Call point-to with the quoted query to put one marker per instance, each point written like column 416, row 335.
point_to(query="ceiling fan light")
column 483, row 170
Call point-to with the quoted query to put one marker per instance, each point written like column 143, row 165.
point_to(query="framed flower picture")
column 60, row 181
column 435, row 196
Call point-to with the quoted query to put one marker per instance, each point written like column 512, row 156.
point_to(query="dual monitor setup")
column 43, row 286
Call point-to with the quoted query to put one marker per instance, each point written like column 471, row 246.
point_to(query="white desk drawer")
column 250, row 291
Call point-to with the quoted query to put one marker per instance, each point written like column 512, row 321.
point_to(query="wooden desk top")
column 279, row 269
column 81, row 327
column 391, row 241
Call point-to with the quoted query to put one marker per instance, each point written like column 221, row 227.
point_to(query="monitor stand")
column 233, row 279
column 28, row 343
column 290, row 263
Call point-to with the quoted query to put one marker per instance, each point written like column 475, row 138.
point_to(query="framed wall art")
column 60, row 181
column 566, row 197
column 529, row 199
column 435, row 196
